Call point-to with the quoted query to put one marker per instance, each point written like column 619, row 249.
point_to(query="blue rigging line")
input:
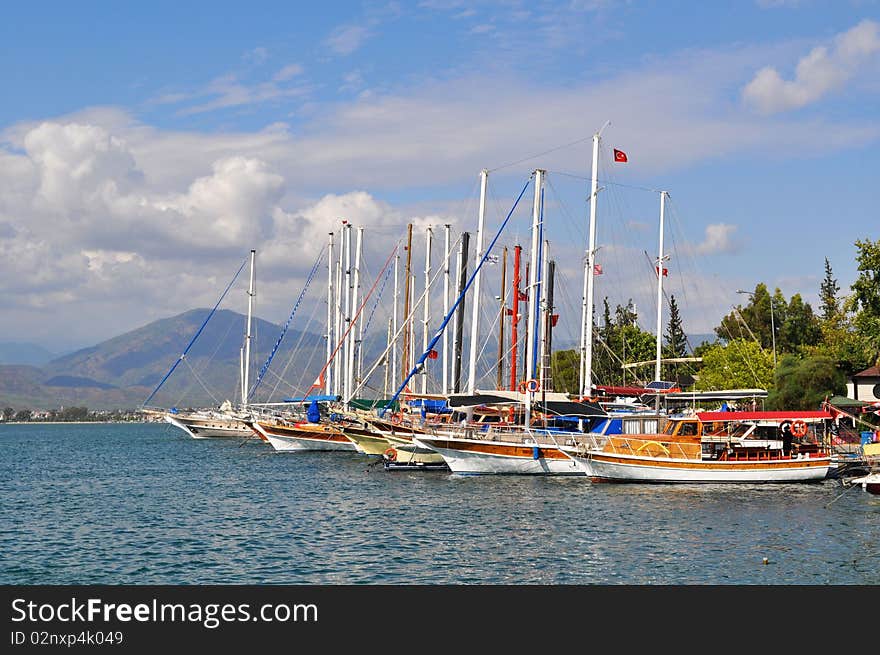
column 287, row 324
column 420, row 364
column 196, row 336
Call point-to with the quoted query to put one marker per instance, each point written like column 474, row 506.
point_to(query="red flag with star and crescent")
column 620, row 156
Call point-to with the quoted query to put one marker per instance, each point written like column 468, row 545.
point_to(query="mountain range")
column 122, row 372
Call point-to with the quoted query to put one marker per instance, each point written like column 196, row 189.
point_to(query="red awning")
column 708, row 417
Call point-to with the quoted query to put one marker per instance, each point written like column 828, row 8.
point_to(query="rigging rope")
column 287, row 324
column 196, row 336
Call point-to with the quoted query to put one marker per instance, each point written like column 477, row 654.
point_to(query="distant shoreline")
column 69, row 422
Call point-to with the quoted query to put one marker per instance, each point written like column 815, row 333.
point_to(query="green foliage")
column 741, row 363
column 799, row 328
column 828, row 295
column 750, row 321
column 865, row 298
column 8, row 413
column 23, row 415
column 676, row 340
column 565, row 369
column 804, row 383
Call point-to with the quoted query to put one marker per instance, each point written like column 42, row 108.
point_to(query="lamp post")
column 772, row 323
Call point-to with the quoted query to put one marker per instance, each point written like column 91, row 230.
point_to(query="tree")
column 740, row 363
column 676, row 340
column 565, row 369
column 23, row 415
column 865, row 298
column 828, row 295
column 804, row 383
column 752, row 321
column 8, row 413
column 798, row 326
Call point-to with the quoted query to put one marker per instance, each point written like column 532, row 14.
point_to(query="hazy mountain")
column 123, row 371
column 24, row 353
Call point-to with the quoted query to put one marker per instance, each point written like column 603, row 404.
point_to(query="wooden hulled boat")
column 718, row 447
column 298, row 436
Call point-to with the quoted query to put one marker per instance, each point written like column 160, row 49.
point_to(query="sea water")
column 144, row 503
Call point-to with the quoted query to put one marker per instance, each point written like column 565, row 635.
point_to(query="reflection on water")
column 144, row 504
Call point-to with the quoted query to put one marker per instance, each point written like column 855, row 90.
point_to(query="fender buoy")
column 391, row 454
column 799, row 428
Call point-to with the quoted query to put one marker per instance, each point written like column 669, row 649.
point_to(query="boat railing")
column 652, row 446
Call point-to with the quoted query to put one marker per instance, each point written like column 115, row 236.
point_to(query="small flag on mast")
column 597, row 269
column 665, row 271
column 620, row 156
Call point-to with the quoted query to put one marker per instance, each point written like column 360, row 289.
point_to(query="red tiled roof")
column 872, row 372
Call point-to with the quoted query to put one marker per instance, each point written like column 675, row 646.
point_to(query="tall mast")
column 387, row 357
column 394, row 318
column 544, row 314
column 406, row 299
column 446, row 229
column 337, row 362
column 514, row 316
column 475, row 301
column 586, row 363
column 346, row 377
column 247, row 339
column 426, row 317
column 499, row 382
column 412, row 322
column 550, row 280
column 327, row 377
column 533, row 275
column 459, row 313
column 352, row 336
column 660, row 260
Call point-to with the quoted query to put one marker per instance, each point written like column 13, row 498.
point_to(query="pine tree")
column 828, row 294
column 676, row 340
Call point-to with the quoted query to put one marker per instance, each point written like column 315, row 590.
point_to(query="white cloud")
column 288, row 72
column 823, row 70
column 345, row 39
column 720, row 238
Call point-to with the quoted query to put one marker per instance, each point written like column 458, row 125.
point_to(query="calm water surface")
column 145, row 504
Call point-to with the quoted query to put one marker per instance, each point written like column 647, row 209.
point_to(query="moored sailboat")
column 717, row 447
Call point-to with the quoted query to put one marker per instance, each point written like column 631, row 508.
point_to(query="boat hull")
column 870, row 483
column 285, row 438
column 467, row 457
column 210, row 428
column 619, row 468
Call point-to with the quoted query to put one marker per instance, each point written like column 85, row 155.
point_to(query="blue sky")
column 145, row 147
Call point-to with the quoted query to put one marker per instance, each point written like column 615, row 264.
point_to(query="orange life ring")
column 533, row 385
column 395, row 418
column 522, row 386
column 799, row 428
column 391, row 454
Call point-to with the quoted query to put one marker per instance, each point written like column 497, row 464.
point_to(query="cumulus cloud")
column 823, row 70
column 720, row 238
column 345, row 39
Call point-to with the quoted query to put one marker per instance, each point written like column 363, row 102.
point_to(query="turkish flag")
column 432, row 354
column 620, row 156
column 665, row 271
